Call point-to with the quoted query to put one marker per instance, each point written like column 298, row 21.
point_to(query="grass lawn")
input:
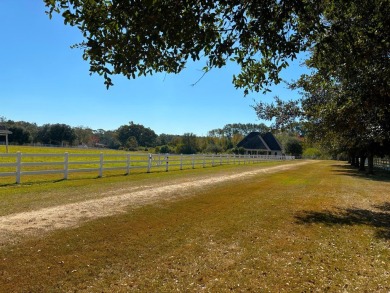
column 12, row 149
column 319, row 227
column 84, row 163
column 75, row 155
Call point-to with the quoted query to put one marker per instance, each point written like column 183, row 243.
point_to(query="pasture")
column 37, row 164
column 281, row 227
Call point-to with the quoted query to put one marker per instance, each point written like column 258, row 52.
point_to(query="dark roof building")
column 261, row 144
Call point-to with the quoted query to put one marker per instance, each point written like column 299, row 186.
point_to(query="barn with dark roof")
column 256, row 143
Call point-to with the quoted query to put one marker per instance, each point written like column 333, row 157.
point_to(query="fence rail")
column 382, row 163
column 19, row 164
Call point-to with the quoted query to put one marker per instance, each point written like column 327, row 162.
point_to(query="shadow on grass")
column 346, row 169
column 8, row 184
column 378, row 218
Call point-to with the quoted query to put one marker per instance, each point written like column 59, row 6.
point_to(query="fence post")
column 66, row 165
column 127, row 164
column 204, row 160
column 149, row 163
column 101, row 165
column 166, row 163
column 181, row 161
column 18, row 166
column 212, row 161
column 193, row 161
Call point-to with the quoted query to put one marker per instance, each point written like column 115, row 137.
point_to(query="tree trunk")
column 370, row 164
column 355, row 161
column 362, row 163
column 352, row 159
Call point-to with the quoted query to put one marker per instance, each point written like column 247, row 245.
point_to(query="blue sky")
column 43, row 80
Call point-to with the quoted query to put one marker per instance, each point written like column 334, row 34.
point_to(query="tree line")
column 345, row 103
column 133, row 136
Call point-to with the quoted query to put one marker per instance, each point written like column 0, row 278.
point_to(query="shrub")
column 238, row 151
column 165, row 149
column 213, row 149
column 312, row 153
column 293, row 147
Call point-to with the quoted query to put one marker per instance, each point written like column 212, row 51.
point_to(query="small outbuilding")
column 4, row 132
column 256, row 143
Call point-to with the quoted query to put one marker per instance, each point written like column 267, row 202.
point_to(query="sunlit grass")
column 321, row 227
column 85, row 163
column 60, row 150
column 75, row 155
column 48, row 191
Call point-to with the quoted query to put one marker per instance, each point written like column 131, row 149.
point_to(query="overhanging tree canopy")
column 140, row 37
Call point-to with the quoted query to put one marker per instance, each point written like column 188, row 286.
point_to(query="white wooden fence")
column 382, row 163
column 19, row 164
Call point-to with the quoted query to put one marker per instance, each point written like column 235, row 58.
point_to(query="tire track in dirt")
column 74, row 214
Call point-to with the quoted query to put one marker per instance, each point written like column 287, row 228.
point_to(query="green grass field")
column 58, row 150
column 85, row 163
column 83, row 154
column 322, row 227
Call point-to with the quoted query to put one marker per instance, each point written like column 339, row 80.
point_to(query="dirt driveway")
column 70, row 215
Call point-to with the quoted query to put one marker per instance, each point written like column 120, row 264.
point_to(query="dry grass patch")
column 305, row 230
